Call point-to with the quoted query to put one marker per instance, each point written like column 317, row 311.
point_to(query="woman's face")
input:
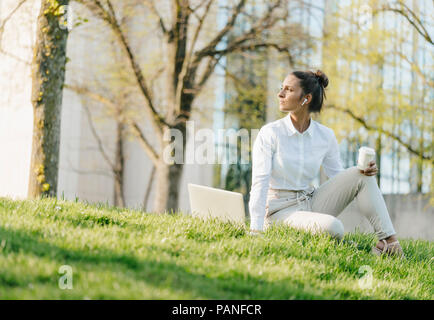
column 290, row 95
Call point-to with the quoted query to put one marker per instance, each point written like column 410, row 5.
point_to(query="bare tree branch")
column 2, row 29
column 200, row 5
column 213, row 61
column 199, row 28
column 148, row 189
column 6, row 19
column 229, row 25
column 137, row 71
column 109, row 17
column 156, row 76
column 391, row 135
column 148, row 148
column 81, row 171
column 144, row 142
column 11, row 55
column 187, row 61
column 90, row 94
column 253, row 47
column 416, row 68
column 97, row 138
column 151, row 5
column 409, row 15
column 264, row 23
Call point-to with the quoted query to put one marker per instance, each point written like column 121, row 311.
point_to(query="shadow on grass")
column 233, row 285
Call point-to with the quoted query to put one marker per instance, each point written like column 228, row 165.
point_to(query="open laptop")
column 210, row 202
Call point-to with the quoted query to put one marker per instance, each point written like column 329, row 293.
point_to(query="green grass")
column 125, row 254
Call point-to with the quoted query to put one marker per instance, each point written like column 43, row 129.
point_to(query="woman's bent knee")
column 332, row 225
column 317, row 223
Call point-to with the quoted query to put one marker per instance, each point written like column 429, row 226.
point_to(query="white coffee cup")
column 366, row 155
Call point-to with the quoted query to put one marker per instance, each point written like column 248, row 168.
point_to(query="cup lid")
column 367, row 150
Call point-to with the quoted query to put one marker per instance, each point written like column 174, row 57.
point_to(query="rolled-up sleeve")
column 332, row 163
column 262, row 158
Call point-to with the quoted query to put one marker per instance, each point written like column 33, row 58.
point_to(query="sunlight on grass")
column 125, row 254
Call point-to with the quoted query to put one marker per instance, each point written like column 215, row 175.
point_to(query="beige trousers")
column 316, row 209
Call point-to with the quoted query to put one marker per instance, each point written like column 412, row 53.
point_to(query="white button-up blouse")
column 283, row 158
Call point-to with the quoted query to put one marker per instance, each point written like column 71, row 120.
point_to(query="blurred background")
column 96, row 110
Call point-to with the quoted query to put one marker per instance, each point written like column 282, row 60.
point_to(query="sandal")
column 393, row 248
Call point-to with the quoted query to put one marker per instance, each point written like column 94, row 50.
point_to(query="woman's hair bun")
column 322, row 78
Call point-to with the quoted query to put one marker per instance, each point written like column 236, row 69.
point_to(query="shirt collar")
column 292, row 130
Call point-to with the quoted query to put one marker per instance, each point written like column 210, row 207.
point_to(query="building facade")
column 88, row 130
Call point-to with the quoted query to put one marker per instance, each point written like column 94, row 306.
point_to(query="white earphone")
column 305, row 100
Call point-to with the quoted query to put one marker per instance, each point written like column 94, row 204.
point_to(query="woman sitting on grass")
column 287, row 155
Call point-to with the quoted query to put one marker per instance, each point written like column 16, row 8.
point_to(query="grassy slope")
column 116, row 253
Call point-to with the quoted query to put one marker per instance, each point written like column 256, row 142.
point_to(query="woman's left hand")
column 371, row 170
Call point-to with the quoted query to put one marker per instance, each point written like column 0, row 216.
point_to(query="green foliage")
column 372, row 76
column 245, row 108
column 126, row 254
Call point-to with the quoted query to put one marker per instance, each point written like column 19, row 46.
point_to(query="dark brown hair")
column 315, row 84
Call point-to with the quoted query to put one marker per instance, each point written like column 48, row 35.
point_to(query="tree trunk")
column 119, row 192
column 378, row 159
column 420, row 161
column 48, row 74
column 119, row 167
column 169, row 174
column 167, row 189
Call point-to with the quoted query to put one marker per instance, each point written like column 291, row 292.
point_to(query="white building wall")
column 16, row 111
column 83, row 171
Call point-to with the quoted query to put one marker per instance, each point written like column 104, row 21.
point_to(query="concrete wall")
column 411, row 215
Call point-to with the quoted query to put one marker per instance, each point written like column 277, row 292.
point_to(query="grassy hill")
column 125, row 254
